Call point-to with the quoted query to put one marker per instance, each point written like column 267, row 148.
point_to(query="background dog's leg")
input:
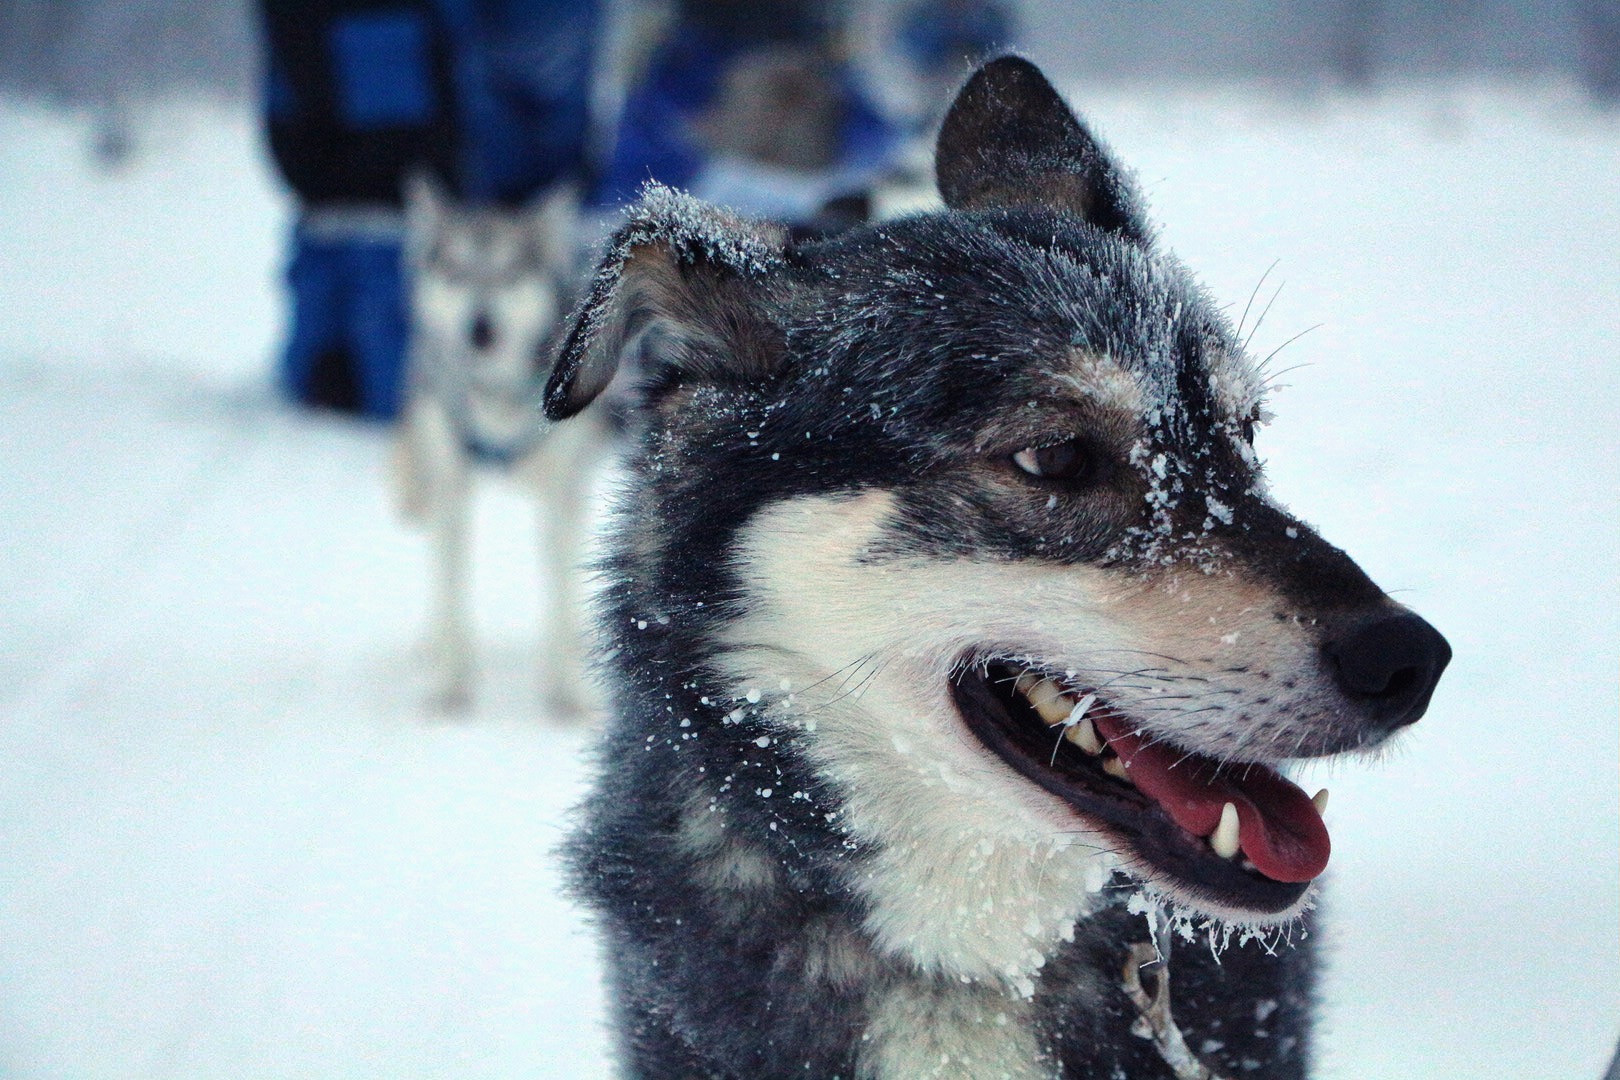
column 405, row 475
column 438, row 489
column 563, row 472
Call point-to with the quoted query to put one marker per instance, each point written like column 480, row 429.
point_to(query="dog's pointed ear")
column 427, row 205
column 681, row 285
column 1010, row 141
column 425, row 197
column 551, row 217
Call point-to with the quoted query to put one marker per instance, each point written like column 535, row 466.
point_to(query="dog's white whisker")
column 1255, row 329
column 1285, row 345
column 1254, row 293
column 1057, row 744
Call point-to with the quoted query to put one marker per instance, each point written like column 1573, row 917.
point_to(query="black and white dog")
column 955, row 631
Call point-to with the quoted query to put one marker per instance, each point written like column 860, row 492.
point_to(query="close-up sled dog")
column 488, row 286
column 957, row 646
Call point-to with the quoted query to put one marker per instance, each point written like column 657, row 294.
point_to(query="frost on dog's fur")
column 819, row 844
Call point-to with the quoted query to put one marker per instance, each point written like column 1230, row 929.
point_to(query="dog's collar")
column 504, row 454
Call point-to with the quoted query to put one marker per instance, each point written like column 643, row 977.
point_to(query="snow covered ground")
column 233, row 845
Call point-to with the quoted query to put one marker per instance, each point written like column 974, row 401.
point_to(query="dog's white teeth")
column 1115, row 767
column 1057, row 707
column 1050, row 702
column 1084, row 734
column 1055, row 712
column 1225, row 837
column 1319, row 800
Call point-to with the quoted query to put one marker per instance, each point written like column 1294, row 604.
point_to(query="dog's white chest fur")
column 932, row 1033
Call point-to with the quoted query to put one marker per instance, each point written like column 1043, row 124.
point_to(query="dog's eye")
column 1071, row 461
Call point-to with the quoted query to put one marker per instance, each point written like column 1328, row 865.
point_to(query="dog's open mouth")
column 1237, row 835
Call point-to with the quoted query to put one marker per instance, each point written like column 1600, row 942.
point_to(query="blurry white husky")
column 487, row 291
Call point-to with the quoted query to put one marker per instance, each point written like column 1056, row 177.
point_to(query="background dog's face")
column 966, row 507
column 486, row 280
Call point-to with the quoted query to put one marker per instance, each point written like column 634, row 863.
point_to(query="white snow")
column 232, row 844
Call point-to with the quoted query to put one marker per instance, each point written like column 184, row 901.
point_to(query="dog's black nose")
column 1390, row 665
column 483, row 331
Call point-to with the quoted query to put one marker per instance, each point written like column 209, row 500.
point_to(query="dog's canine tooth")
column 1084, row 734
column 1320, row 801
column 1115, row 767
column 1225, row 837
column 1025, row 682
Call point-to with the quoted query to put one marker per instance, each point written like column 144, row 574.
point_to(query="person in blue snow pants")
column 490, row 96
column 346, row 346
column 941, row 42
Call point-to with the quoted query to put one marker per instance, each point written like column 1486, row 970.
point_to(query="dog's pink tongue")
column 1278, row 827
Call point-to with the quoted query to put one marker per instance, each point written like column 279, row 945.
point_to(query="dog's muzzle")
column 1236, row 833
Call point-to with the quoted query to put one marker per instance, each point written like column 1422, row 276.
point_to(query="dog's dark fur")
column 820, row 875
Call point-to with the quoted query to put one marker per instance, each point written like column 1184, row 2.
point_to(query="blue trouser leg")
column 377, row 325
column 315, row 280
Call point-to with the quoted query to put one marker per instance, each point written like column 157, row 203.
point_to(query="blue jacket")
column 492, row 95
column 654, row 140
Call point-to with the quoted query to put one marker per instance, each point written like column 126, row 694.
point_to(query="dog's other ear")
column 1010, row 141
column 680, row 285
column 425, row 196
column 426, row 206
column 551, row 217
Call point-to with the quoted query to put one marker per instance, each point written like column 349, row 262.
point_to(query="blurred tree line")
column 1357, row 43
column 108, row 56
column 89, row 52
column 110, row 59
